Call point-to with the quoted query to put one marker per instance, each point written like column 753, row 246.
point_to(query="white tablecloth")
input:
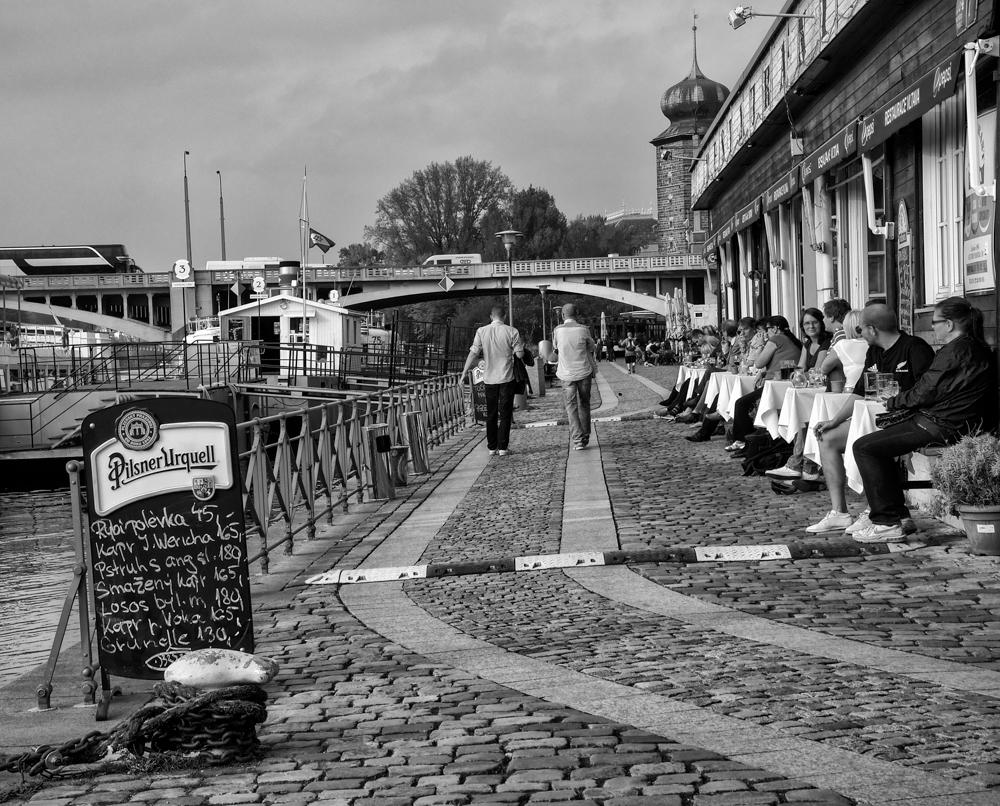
column 824, row 407
column 731, row 389
column 862, row 422
column 770, row 405
column 694, row 374
column 797, row 409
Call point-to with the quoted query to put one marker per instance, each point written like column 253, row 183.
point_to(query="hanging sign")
column 911, row 104
column 980, row 213
column 904, row 269
column 167, row 541
column 838, row 149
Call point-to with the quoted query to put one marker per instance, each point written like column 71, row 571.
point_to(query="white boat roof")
column 251, row 307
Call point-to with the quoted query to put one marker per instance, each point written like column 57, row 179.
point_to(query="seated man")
column 908, row 357
column 956, row 396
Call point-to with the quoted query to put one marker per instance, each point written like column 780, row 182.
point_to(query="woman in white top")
column 847, row 357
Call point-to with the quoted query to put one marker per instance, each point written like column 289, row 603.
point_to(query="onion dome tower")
column 690, row 106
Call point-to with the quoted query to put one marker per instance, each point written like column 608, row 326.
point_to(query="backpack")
column 764, row 453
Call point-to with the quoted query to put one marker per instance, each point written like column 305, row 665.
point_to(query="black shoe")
column 740, row 454
column 697, row 438
column 689, row 417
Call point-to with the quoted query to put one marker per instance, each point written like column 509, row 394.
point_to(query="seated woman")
column 846, row 359
column 816, row 344
column 781, row 346
column 957, row 395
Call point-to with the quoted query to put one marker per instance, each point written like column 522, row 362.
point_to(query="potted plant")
column 966, row 478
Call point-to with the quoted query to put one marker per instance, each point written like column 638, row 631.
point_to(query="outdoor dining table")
column 732, row 388
column 770, row 405
column 686, row 373
column 800, row 408
column 825, row 406
column 862, row 422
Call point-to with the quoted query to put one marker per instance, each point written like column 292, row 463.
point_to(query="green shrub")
column 967, row 474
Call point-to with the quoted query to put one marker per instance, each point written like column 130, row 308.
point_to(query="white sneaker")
column 782, row 473
column 881, row 533
column 493, row 453
column 504, row 453
column 833, row 522
column 862, row 522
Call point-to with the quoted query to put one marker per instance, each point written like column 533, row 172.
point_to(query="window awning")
column 782, row 190
column 748, row 215
column 839, row 148
column 911, row 104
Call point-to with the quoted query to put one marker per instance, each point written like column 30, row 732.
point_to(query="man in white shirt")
column 573, row 348
column 499, row 345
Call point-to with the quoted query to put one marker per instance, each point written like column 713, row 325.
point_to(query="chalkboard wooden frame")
column 168, row 567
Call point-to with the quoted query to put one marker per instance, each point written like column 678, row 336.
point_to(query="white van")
column 452, row 260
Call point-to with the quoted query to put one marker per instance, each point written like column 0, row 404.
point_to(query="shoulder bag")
column 895, row 417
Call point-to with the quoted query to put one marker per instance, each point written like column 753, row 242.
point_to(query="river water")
column 36, row 569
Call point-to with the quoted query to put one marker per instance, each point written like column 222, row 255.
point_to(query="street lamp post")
column 187, row 213
column 222, row 217
column 509, row 237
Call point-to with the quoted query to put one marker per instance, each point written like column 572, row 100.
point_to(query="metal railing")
column 309, row 460
column 122, row 365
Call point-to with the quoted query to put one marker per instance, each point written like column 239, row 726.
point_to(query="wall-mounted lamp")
column 980, row 184
column 739, row 15
column 667, row 155
column 876, row 224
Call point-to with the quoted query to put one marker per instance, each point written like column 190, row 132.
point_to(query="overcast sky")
column 102, row 97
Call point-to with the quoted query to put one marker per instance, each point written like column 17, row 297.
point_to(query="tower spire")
column 695, row 70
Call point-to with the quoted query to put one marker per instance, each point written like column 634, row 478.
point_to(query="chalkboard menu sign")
column 167, row 541
column 479, row 392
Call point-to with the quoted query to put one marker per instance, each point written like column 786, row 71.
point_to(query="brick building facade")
column 839, row 167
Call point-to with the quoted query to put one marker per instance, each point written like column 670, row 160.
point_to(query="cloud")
column 102, row 99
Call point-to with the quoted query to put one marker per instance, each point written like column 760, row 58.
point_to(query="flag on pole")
column 320, row 240
column 303, row 223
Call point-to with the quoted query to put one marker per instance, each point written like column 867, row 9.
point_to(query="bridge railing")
column 301, row 464
column 590, row 265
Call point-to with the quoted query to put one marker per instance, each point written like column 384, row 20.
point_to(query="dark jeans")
column 742, row 416
column 499, row 413
column 878, row 455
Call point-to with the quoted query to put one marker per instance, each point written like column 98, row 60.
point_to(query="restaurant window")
column 858, row 256
column 942, row 188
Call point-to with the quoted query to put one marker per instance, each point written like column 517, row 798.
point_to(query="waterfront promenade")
column 829, row 680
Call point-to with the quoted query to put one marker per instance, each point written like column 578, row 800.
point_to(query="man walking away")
column 573, row 347
column 498, row 344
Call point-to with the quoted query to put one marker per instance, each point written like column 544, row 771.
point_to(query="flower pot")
column 982, row 525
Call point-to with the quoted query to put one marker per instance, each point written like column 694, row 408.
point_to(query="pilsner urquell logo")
column 122, row 471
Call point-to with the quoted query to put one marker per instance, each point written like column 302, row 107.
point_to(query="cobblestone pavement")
column 862, row 679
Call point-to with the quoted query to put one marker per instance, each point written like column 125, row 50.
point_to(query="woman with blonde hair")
column 846, row 359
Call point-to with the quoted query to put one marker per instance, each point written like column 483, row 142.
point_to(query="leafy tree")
column 359, row 254
column 532, row 212
column 592, row 236
column 438, row 210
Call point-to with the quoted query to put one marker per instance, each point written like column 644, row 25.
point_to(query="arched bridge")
column 151, row 306
column 639, row 281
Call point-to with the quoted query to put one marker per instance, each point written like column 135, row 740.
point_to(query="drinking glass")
column 889, row 389
column 871, row 385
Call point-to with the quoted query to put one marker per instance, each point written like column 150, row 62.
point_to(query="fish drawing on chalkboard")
column 203, row 487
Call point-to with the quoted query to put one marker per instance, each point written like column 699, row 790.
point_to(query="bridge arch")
column 409, row 293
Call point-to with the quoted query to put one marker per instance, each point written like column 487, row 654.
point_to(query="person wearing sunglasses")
column 956, row 396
